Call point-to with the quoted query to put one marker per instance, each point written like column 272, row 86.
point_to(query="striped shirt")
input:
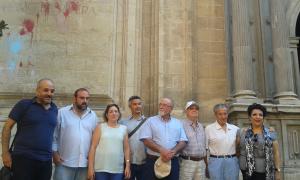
column 196, row 145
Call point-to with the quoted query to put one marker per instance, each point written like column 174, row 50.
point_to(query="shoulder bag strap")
column 137, row 127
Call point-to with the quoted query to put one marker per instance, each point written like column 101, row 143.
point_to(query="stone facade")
column 264, row 68
column 211, row 51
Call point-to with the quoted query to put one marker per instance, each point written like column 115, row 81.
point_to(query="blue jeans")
column 149, row 170
column 223, row 168
column 108, row 176
column 137, row 171
column 62, row 172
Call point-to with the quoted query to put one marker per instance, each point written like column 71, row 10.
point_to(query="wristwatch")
column 277, row 169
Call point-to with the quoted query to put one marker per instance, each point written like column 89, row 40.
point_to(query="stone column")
column 281, row 53
column 242, row 58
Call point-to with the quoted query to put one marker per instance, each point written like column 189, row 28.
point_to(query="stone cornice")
column 97, row 101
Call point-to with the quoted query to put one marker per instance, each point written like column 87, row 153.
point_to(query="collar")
column 34, row 101
column 88, row 110
column 218, row 127
column 141, row 118
column 164, row 120
column 189, row 122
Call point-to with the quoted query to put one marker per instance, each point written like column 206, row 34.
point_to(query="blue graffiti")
column 15, row 47
column 11, row 66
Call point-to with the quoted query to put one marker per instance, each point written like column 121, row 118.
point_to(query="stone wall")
column 117, row 49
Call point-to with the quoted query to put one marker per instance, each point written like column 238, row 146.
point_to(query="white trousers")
column 191, row 170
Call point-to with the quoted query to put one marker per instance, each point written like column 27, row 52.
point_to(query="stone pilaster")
column 242, row 58
column 281, row 54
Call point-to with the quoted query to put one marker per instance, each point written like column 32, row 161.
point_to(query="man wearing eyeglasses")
column 164, row 137
column 31, row 156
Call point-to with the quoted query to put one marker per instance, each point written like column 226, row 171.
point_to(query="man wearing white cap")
column 193, row 156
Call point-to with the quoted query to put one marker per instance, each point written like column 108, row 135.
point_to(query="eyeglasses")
column 164, row 105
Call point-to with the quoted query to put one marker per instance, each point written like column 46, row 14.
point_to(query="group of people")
column 82, row 148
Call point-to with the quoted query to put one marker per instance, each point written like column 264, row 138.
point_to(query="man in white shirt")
column 72, row 137
column 221, row 142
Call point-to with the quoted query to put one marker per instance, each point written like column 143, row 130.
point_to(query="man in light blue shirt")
column 72, row 138
column 163, row 136
column 137, row 147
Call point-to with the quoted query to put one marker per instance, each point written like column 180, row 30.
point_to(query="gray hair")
column 220, row 106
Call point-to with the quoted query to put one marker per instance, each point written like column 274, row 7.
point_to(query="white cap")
column 190, row 103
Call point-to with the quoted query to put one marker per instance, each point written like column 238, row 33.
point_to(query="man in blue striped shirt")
column 72, row 137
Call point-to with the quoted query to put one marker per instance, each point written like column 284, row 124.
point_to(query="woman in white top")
column 108, row 148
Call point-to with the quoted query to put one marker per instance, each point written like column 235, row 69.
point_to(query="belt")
column 149, row 156
column 223, row 156
column 193, row 158
column 152, row 157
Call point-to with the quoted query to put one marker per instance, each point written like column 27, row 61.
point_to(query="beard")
column 81, row 107
column 162, row 113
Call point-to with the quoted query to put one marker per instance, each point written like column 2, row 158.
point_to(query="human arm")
column 91, row 157
column 237, row 143
column 165, row 154
column 276, row 160
column 127, row 157
column 57, row 160
column 206, row 167
column 179, row 146
column 6, row 134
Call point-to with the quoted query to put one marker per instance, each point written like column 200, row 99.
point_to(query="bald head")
column 42, row 81
column 45, row 91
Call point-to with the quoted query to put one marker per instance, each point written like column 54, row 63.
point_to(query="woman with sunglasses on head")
column 258, row 148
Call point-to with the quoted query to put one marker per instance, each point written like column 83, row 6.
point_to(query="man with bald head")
column 32, row 148
column 164, row 137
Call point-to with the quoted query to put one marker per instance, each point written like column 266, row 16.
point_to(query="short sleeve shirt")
column 164, row 133
column 35, row 129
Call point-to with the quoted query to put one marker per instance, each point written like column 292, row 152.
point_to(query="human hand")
column 127, row 172
column 166, row 155
column 6, row 158
column 56, row 158
column 91, row 174
column 277, row 175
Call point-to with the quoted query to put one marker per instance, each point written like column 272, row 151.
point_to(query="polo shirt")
column 35, row 129
column 220, row 141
